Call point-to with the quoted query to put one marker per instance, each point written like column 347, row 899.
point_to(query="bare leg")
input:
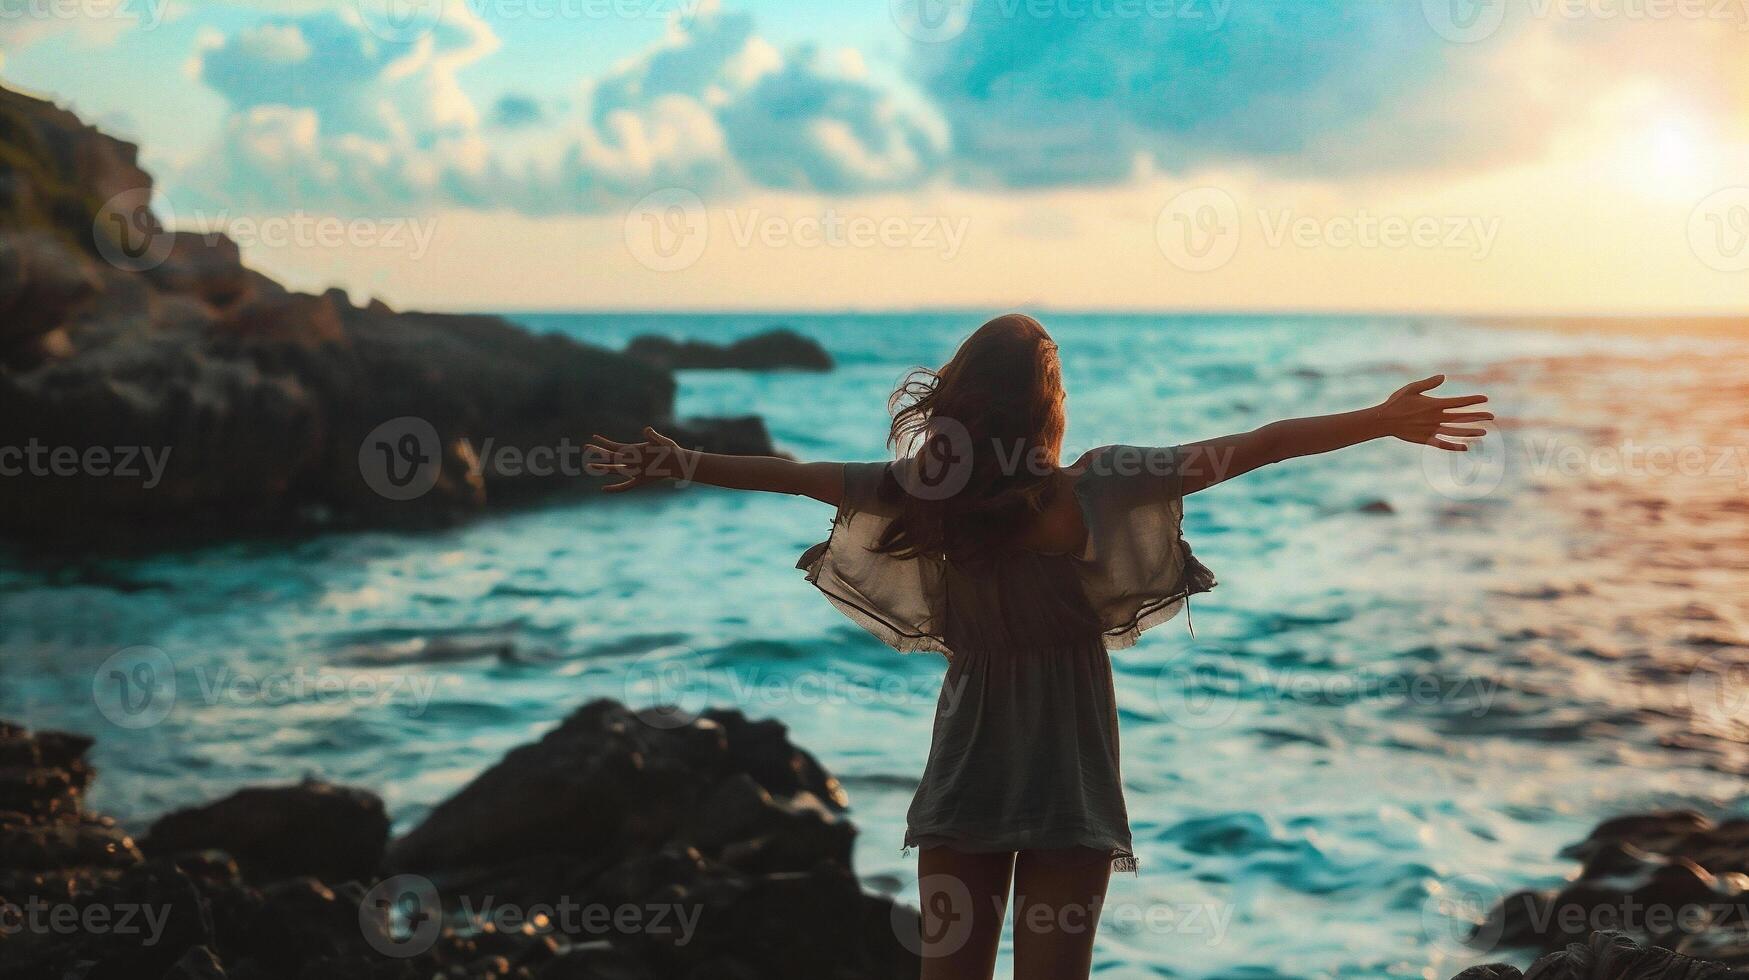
column 1057, row 899
column 964, row 897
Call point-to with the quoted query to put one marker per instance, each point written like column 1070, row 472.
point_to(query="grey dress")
column 1025, row 748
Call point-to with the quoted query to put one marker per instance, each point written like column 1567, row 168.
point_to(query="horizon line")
column 981, row 309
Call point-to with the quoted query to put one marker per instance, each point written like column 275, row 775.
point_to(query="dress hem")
column 1123, row 858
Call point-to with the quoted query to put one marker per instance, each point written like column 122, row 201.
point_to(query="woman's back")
column 1025, row 748
column 1019, row 602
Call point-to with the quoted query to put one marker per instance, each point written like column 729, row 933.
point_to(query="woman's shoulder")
column 1121, row 461
column 869, row 488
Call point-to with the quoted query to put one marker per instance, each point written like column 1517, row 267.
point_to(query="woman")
column 978, row 545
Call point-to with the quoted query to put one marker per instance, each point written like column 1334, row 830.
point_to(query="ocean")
column 1421, row 676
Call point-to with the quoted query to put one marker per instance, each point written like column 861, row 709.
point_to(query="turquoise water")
column 1381, row 718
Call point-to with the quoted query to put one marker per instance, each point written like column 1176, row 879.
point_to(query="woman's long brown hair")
column 993, row 415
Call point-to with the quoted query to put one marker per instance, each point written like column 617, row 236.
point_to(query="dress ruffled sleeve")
column 896, row 600
column 1137, row 569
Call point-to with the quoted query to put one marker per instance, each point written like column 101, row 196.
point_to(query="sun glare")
column 1676, row 151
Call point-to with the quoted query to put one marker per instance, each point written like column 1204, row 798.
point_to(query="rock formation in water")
column 774, row 350
column 1672, row 880
column 622, row 845
column 151, row 385
column 1606, row 956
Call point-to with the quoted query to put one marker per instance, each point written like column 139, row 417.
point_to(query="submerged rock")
column 777, row 349
column 622, row 844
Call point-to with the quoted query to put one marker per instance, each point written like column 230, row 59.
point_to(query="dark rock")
column 1657, row 832
column 1615, row 858
column 776, row 349
column 763, row 749
column 317, row 829
column 88, row 842
column 1491, row 971
column 199, row 963
column 720, row 819
column 594, row 961
column 60, row 171
column 1612, row 956
column 43, row 281
column 1725, row 945
column 147, row 919
column 1671, row 880
column 208, row 267
column 624, row 844
column 45, row 776
column 606, row 785
column 1521, row 919
column 742, row 435
column 1377, row 506
column 1605, row 956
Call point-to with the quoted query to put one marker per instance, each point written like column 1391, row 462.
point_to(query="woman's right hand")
column 1411, row 415
column 655, row 459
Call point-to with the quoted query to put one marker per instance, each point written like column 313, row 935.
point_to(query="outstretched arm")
column 659, row 458
column 1410, row 415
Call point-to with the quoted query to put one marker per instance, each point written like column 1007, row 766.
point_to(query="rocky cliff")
column 153, row 386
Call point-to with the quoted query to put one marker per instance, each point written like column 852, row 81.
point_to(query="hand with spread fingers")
column 1412, row 415
column 655, row 459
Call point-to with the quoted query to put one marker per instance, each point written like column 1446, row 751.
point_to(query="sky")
column 1429, row 156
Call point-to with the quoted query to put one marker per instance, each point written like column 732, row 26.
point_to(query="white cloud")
column 713, row 107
